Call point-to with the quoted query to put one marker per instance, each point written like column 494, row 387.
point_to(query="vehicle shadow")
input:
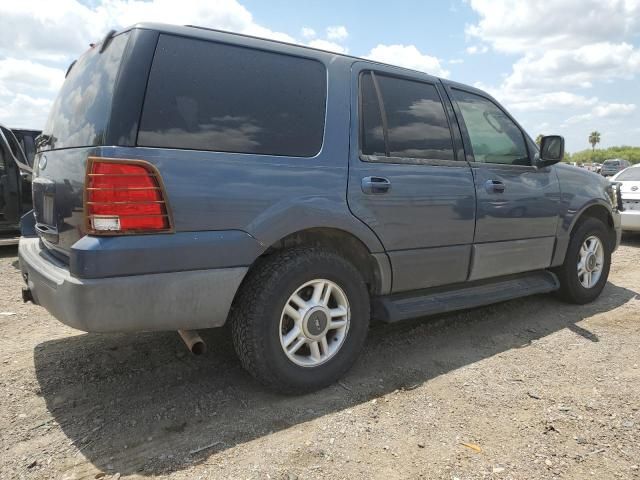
column 140, row 404
column 8, row 251
column 631, row 239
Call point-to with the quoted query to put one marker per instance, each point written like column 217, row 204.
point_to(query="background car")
column 613, row 166
column 15, row 182
column 629, row 181
column 27, row 140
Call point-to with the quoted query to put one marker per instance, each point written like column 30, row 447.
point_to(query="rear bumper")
column 160, row 301
column 630, row 221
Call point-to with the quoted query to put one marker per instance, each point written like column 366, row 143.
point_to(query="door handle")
column 375, row 185
column 494, row 186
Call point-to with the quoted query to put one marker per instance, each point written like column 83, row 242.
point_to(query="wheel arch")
column 375, row 267
column 596, row 209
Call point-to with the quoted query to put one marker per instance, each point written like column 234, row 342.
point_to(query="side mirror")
column 551, row 150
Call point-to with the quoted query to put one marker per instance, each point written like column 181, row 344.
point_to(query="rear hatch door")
column 75, row 129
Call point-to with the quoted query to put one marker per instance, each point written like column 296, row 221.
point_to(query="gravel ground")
column 526, row 389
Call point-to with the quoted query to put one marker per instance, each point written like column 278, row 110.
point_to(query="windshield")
column 630, row 174
column 80, row 114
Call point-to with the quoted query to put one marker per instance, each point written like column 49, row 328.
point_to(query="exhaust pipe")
column 193, row 341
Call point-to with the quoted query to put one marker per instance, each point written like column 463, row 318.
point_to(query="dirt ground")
column 527, row 389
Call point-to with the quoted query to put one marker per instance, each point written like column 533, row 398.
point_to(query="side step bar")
column 394, row 308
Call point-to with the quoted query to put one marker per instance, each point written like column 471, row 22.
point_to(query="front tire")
column 586, row 267
column 300, row 319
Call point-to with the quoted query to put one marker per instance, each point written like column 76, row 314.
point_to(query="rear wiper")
column 69, row 69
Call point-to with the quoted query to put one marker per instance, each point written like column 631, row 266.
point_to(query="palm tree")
column 594, row 138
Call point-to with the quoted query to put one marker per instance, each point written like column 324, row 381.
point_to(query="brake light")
column 124, row 197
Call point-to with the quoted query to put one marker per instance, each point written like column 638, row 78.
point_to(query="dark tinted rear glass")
column 372, row 131
column 80, row 113
column 417, row 124
column 210, row 96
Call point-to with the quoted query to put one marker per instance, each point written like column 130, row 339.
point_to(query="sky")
column 564, row 67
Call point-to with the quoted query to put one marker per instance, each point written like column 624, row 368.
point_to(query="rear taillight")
column 124, row 197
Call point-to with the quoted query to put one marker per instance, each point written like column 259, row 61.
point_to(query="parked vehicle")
column 613, row 166
column 629, row 181
column 15, row 182
column 294, row 193
column 27, row 140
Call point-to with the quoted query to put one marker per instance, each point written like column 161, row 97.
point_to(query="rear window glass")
column 210, row 96
column 416, row 123
column 611, row 163
column 630, row 174
column 80, row 114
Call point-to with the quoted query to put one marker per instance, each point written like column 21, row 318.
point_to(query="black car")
column 15, row 176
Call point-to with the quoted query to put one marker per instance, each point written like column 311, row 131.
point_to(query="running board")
column 394, row 308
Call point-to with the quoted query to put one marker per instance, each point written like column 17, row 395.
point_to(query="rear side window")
column 495, row 138
column 80, row 114
column 409, row 123
column 210, row 96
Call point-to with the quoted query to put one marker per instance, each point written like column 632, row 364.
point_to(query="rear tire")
column 288, row 339
column 585, row 270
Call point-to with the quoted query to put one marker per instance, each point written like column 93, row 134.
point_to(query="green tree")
column 539, row 139
column 594, row 138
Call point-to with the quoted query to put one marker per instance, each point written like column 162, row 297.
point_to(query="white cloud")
column 477, row 49
column 307, row 32
column 456, row 61
column 566, row 51
column 23, row 110
column 536, row 25
column 337, row 33
column 579, row 67
column 408, row 56
column 25, row 76
column 327, row 45
column 604, row 110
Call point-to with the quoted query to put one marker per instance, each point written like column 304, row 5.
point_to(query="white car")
column 629, row 180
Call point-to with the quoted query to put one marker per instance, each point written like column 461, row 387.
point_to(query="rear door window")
column 205, row 95
column 409, row 123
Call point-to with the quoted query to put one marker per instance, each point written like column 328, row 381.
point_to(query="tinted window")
column 81, row 111
column 210, row 96
column 495, row 138
column 29, row 148
column 372, row 132
column 416, row 123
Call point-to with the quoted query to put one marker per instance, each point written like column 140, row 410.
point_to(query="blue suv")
column 189, row 178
